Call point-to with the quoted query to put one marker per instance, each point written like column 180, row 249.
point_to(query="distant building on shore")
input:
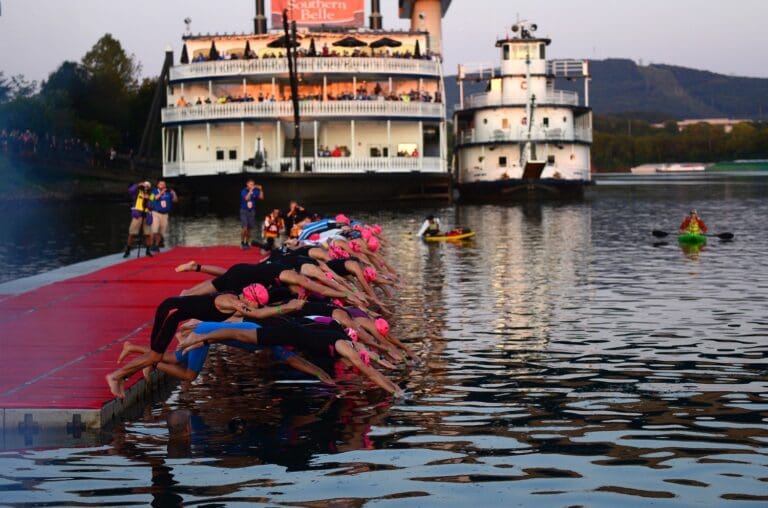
column 726, row 123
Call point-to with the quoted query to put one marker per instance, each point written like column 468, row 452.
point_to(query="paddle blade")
column 725, row 236
column 659, row 234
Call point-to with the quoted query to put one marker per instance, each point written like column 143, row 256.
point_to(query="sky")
column 727, row 37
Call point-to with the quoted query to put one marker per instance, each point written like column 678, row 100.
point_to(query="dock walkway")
column 61, row 333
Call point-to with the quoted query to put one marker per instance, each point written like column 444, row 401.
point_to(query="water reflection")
column 566, row 359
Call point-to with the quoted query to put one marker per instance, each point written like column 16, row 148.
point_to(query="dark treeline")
column 622, row 142
column 89, row 108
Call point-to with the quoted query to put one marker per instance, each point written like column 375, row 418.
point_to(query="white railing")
column 553, row 97
column 352, row 65
column 246, row 110
column 171, row 169
column 367, row 164
column 520, row 135
column 324, row 165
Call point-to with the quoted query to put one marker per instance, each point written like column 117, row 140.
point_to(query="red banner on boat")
column 314, row 13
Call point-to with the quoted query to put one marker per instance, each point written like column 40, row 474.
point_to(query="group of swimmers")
column 316, row 295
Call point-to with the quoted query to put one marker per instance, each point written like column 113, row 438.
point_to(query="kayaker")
column 692, row 224
column 431, row 227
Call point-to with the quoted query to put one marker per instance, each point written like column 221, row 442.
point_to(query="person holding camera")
column 249, row 196
column 141, row 218
column 162, row 202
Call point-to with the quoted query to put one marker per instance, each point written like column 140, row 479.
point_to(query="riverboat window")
column 551, row 160
column 502, row 162
column 505, row 123
column 219, row 154
column 379, row 151
column 506, row 51
column 545, row 121
column 406, row 149
column 232, row 155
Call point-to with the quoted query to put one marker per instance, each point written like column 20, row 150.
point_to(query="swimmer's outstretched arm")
column 310, row 368
column 192, row 266
column 347, row 350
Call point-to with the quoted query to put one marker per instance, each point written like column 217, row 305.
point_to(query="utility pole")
column 291, row 54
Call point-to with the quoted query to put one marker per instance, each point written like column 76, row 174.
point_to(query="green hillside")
column 667, row 91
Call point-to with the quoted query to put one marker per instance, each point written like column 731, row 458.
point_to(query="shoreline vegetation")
column 38, row 179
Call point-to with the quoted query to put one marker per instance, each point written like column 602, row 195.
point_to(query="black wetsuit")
column 303, row 334
column 177, row 309
column 241, row 275
column 295, row 262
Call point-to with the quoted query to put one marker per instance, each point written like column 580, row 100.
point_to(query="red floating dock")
column 61, row 334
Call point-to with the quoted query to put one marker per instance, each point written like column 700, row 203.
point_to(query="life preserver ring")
column 524, row 85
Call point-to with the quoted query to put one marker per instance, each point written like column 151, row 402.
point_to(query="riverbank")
column 33, row 179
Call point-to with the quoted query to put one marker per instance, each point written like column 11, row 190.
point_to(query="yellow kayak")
column 461, row 236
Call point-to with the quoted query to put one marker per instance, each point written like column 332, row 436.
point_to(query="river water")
column 568, row 358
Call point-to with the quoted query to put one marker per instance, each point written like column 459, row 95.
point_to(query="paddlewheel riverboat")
column 371, row 120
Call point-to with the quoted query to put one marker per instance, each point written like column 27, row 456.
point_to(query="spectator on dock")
column 141, row 218
column 162, row 200
column 293, row 215
column 273, row 225
column 249, row 196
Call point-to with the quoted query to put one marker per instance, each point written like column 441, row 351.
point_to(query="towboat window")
column 232, row 155
column 502, row 162
column 542, row 51
column 219, row 155
column 506, row 51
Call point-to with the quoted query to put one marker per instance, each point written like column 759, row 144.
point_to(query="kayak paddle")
column 723, row 236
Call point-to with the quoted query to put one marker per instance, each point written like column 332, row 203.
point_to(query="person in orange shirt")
column 273, row 224
column 693, row 224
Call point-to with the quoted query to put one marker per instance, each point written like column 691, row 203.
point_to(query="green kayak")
column 691, row 239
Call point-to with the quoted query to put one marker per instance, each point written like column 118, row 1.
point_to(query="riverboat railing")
column 323, row 165
column 520, row 135
column 558, row 97
column 308, row 109
column 269, row 66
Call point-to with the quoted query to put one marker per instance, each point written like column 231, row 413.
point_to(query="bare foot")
column 189, row 266
column 125, row 352
column 147, row 373
column 116, row 386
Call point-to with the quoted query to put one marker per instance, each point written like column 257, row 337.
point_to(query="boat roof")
column 501, row 42
column 272, row 34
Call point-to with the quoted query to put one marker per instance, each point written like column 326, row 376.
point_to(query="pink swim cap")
column 366, row 234
column 314, row 237
column 382, row 326
column 352, row 334
column 373, row 244
column 342, row 219
column 355, row 246
column 369, row 274
column 256, row 293
column 376, row 229
column 337, row 252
